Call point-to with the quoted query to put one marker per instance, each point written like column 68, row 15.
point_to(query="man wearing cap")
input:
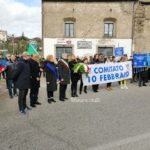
column 64, row 75
column 22, row 78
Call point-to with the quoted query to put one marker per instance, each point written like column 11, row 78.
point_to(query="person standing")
column 1, row 67
column 85, row 61
column 35, row 80
column 123, row 83
column 21, row 76
column 96, row 60
column 10, row 67
column 51, row 77
column 64, row 75
column 74, row 77
column 109, row 60
column 42, row 66
column 143, row 76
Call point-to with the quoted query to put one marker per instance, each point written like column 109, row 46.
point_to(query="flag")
column 32, row 48
column 2, row 69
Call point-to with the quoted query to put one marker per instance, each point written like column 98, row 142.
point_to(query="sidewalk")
column 2, row 87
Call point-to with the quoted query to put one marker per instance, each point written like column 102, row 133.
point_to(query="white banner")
column 109, row 72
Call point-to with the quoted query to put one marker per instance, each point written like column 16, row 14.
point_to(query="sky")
column 21, row 16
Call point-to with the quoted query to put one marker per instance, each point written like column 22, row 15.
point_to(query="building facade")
column 142, row 26
column 94, row 26
column 3, row 36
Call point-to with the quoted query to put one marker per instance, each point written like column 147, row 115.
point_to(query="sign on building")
column 64, row 41
column 84, row 45
column 119, row 51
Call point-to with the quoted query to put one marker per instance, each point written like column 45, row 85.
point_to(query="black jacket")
column 64, row 72
column 74, row 76
column 35, row 73
column 51, row 78
column 10, row 69
column 21, row 75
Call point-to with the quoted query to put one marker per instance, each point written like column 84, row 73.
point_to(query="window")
column 109, row 30
column 61, row 50
column 109, row 27
column 69, row 29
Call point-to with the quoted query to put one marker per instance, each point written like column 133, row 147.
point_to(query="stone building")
column 142, row 26
column 86, row 27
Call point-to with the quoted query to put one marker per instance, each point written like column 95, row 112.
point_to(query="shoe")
column 28, row 108
column 107, row 88
column 144, row 84
column 15, row 95
column 80, row 92
column 52, row 100
column 62, row 100
column 22, row 112
column 65, row 98
column 96, row 91
column 85, row 91
column 76, row 95
column 122, row 88
column 49, row 101
column 72, row 95
column 33, row 105
column 11, row 96
column 37, row 103
column 126, row 87
column 110, row 88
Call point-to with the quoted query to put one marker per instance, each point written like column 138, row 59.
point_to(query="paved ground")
column 116, row 120
column 2, row 86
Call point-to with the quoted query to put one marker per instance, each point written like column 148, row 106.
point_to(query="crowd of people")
column 23, row 74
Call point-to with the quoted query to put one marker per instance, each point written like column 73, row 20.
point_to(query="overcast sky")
column 17, row 16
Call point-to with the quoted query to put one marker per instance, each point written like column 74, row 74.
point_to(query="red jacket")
column 2, row 69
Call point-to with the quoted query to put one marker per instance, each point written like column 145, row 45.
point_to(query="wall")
column 89, row 24
column 51, row 43
column 89, row 18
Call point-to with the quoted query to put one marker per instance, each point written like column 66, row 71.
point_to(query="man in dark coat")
column 22, row 78
column 64, row 75
column 35, row 80
column 143, row 77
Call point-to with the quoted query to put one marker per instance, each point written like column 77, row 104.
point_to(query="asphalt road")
column 107, row 120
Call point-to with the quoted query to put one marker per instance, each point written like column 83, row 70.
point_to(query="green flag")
column 32, row 48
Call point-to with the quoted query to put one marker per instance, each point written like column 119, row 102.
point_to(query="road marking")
column 123, row 142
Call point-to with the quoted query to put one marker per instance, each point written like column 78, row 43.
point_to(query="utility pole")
column 13, row 43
